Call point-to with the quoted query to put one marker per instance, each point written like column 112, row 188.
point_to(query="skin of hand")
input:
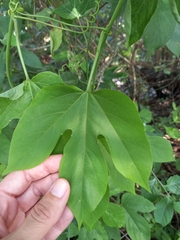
column 24, row 213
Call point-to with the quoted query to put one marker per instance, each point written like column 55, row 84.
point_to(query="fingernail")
column 59, row 188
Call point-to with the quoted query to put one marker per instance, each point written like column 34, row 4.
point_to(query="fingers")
column 36, row 190
column 19, row 181
column 61, row 225
column 46, row 214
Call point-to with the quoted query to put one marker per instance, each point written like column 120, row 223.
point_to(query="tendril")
column 93, row 15
column 15, row 7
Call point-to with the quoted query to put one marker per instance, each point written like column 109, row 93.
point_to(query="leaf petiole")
column 100, row 46
column 19, row 48
column 8, row 72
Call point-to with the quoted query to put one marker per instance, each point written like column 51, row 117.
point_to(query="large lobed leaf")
column 108, row 113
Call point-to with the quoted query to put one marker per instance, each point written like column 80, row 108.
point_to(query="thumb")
column 45, row 214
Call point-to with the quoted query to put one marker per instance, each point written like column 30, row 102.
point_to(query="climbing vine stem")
column 8, row 71
column 100, row 47
column 19, row 48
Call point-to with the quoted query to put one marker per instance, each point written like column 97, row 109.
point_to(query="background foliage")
column 61, row 96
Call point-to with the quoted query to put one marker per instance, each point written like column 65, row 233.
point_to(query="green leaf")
column 164, row 211
column 4, row 25
column 98, row 232
column 173, row 132
column 111, row 114
column 160, row 28
column 136, row 203
column 127, row 19
column 44, row 79
column 174, row 42
column 161, row 149
column 175, row 8
column 2, row 66
column 145, row 115
column 11, row 109
column 42, row 16
column 72, row 9
column 4, row 148
column 176, row 206
column 70, row 78
column 55, row 39
column 173, row 184
column 113, row 233
column 13, row 93
column 14, row 101
column 114, row 216
column 137, row 227
column 118, row 182
column 31, row 59
column 93, row 217
column 141, row 13
column 5, row 39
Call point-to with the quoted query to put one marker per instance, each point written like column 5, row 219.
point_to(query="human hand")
column 23, row 215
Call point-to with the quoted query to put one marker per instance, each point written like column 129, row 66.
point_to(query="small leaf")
column 173, row 132
column 136, row 203
column 14, row 101
column 145, row 115
column 4, row 24
column 5, row 39
column 160, row 28
column 47, row 78
column 55, row 39
column 31, row 59
column 22, row 95
column 113, row 233
column 176, row 206
column 75, row 8
column 14, row 93
column 137, row 227
column 173, row 184
column 161, row 149
column 164, row 211
column 98, row 232
column 42, row 16
column 114, row 216
column 69, row 78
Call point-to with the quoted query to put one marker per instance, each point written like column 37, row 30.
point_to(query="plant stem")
column 8, row 72
column 29, row 17
column 100, row 46
column 19, row 48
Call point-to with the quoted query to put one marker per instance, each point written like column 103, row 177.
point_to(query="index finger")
column 16, row 183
